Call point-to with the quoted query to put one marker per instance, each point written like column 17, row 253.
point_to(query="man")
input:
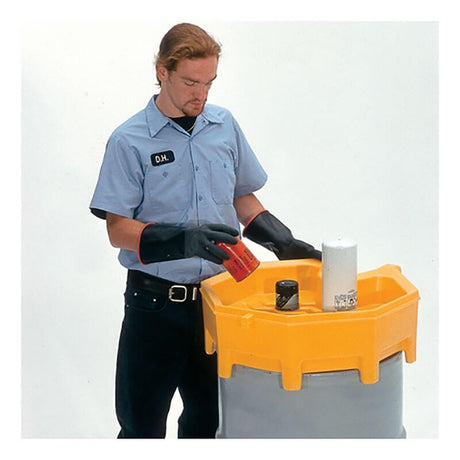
column 176, row 179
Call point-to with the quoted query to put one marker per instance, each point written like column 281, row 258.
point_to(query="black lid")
column 287, row 287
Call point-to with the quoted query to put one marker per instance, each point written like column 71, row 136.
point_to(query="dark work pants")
column 161, row 349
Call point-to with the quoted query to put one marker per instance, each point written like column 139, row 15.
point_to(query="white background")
column 343, row 117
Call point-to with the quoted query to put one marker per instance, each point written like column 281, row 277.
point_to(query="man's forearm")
column 247, row 207
column 124, row 232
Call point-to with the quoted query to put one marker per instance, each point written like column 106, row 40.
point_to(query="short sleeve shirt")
column 155, row 171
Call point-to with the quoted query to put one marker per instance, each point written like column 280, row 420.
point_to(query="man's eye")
column 189, row 83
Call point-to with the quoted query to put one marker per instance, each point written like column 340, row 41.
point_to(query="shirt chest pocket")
column 169, row 187
column 223, row 181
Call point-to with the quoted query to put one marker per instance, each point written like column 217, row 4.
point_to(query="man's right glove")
column 162, row 242
column 265, row 229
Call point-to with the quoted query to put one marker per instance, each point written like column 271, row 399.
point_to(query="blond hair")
column 185, row 41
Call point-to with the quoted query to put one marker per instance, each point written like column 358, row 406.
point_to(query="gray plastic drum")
column 253, row 404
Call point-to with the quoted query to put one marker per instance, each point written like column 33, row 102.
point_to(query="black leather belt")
column 176, row 292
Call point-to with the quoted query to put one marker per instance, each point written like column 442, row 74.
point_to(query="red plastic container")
column 242, row 261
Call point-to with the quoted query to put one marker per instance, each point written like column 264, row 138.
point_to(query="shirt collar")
column 156, row 120
column 210, row 114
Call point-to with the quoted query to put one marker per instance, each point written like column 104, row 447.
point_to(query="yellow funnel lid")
column 241, row 322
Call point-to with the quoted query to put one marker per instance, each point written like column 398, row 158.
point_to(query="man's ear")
column 162, row 73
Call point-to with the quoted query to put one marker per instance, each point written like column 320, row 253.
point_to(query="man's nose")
column 201, row 92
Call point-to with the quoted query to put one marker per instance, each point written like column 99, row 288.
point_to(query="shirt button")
column 197, row 168
column 200, row 197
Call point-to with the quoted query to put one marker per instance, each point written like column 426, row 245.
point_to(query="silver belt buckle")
column 177, row 286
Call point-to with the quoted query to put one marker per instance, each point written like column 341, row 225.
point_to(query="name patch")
column 162, row 158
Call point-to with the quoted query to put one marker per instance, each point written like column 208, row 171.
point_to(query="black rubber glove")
column 161, row 242
column 266, row 230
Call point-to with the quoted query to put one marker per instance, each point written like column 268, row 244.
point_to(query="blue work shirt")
column 155, row 171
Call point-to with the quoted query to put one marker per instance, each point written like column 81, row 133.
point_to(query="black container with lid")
column 287, row 295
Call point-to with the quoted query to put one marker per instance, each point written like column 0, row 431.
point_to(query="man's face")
column 184, row 91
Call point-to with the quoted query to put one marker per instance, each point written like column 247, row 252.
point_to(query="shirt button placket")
column 198, row 181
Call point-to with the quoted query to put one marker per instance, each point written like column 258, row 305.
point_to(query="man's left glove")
column 266, row 230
